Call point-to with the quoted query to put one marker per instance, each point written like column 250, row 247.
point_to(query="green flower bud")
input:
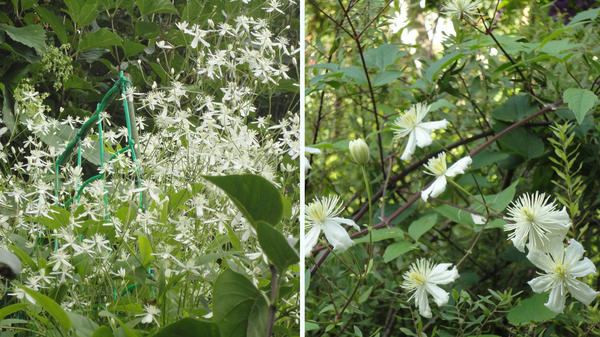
column 359, row 151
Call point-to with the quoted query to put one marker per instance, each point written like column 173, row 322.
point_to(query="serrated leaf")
column 580, row 101
column 385, row 77
column 254, row 196
column 103, row 38
column 382, row 56
column 148, row 7
column 33, row 36
column 54, row 21
column 82, row 12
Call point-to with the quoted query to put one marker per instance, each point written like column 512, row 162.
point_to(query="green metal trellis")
column 119, row 88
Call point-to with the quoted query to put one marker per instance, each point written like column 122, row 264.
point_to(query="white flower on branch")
column 423, row 278
column 322, row 214
column 561, row 270
column 536, row 219
column 419, row 133
column 437, row 167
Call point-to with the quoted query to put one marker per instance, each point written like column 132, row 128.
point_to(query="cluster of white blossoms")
column 206, row 122
column 537, row 223
column 419, row 133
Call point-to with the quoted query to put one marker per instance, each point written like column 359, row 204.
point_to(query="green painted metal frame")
column 120, row 87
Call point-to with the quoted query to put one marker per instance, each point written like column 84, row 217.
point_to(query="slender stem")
column 272, row 307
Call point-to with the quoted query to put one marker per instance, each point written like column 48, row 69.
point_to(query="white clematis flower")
column 423, row 278
column 561, row 268
column 535, row 218
column 150, row 315
column 437, row 167
column 322, row 215
column 419, row 133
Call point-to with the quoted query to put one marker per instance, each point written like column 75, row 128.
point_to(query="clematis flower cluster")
column 535, row 221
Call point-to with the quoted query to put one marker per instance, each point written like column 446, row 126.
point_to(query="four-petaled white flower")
column 150, row 315
column 437, row 167
column 461, row 8
column 423, row 278
column 322, row 215
column 535, row 218
column 561, row 268
column 419, row 133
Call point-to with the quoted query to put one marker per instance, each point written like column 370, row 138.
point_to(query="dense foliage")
column 157, row 236
column 507, row 93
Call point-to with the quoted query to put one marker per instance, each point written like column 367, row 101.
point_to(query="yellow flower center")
column 560, row 270
column 417, row 277
column 528, row 214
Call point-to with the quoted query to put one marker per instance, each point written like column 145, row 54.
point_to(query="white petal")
column 423, row 137
column 520, row 237
column 574, row 253
column 337, row 235
column 541, row 284
column 581, row 291
column 441, row 275
column 310, row 239
column 437, row 188
column 312, row 150
column 459, row 167
column 349, row 222
column 556, row 300
column 434, row 125
column 440, row 296
column 582, row 268
column 410, row 147
column 306, row 162
column 422, row 303
column 541, row 260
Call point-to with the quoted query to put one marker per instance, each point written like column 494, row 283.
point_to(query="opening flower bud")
column 359, row 151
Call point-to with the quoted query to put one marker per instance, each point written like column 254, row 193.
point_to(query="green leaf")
column 590, row 14
column 50, row 306
column 103, row 38
column 520, row 141
column 239, row 309
column 580, row 101
column 146, row 30
column 54, row 21
column 145, row 250
column 487, row 157
column 354, row 75
column 275, row 246
column 497, row 201
column 385, row 77
column 132, row 48
column 440, row 64
column 11, row 309
column 33, row 36
column 530, row 310
column 189, row 327
column 82, row 12
column 82, row 325
column 148, row 7
column 514, row 109
column 455, row 214
column 8, row 116
column 420, row 226
column 396, row 250
column 24, row 257
column 59, row 217
column 254, row 196
column 103, row 331
column 382, row 234
column 382, row 57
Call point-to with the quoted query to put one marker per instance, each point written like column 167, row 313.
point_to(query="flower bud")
column 359, row 151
